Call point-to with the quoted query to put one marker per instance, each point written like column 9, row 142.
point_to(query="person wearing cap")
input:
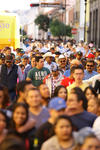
column 53, row 79
column 97, row 53
column 89, row 71
column 79, row 55
column 20, row 52
column 62, row 63
column 48, row 60
column 56, row 108
column 38, row 73
column 63, row 138
column 9, row 74
column 91, row 56
column 25, row 60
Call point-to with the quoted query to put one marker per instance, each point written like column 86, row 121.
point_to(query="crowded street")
column 49, row 78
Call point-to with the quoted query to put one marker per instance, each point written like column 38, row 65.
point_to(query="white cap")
column 61, row 56
column 48, row 54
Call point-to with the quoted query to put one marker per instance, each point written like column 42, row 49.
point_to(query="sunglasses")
column 89, row 65
column 63, row 61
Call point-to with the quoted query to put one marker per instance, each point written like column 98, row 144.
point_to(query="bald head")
column 75, row 62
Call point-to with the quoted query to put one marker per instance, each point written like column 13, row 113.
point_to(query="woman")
column 90, row 92
column 86, row 140
column 3, row 125
column 4, row 97
column 19, row 119
column 61, row 92
column 63, row 138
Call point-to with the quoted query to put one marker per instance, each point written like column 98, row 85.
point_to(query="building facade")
column 94, row 23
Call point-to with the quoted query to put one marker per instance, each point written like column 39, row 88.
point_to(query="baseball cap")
column 2, row 56
column 25, row 56
column 91, row 56
column 54, row 67
column 57, row 103
column 9, row 58
column 72, row 56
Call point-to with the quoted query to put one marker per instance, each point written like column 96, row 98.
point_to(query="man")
column 7, row 51
column 56, row 108
column 28, row 68
column 8, row 75
column 2, row 59
column 45, row 94
column 78, row 76
column 76, row 109
column 89, row 72
column 79, row 55
column 74, row 62
column 25, row 60
column 62, row 63
column 48, row 60
column 38, row 73
column 53, row 79
column 36, row 111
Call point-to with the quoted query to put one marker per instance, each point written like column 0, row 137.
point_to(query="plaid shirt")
column 54, row 82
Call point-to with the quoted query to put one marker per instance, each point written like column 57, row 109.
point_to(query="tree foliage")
column 59, row 29
column 43, row 22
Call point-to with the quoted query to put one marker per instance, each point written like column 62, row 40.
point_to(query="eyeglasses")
column 63, row 61
column 89, row 65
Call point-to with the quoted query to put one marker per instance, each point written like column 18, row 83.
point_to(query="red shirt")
column 67, row 81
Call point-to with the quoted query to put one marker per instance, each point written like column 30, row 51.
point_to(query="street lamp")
column 85, row 20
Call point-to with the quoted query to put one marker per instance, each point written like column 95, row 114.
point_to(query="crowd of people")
column 50, row 96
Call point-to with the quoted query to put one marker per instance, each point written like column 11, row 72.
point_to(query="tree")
column 59, row 29
column 43, row 22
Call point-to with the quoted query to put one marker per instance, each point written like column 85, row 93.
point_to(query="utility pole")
column 85, row 21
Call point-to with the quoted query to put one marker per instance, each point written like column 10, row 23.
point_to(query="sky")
column 11, row 5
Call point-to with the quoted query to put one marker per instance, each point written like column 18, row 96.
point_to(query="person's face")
column 52, row 51
column 55, row 73
column 78, row 57
column 98, row 69
column 89, row 66
column 40, row 64
column 91, row 144
column 49, row 59
column 62, row 93
column 24, row 62
column 44, row 91
column 92, row 106
column 63, row 130
column 19, row 116
column 78, row 75
column 2, row 122
column 8, row 52
column 89, row 94
column 2, row 61
column 62, row 62
column 33, row 62
column 9, row 63
column 1, row 97
column 33, row 98
column 72, row 102
column 56, row 113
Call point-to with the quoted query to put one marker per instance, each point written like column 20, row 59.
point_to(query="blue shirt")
column 84, row 119
column 88, row 75
column 67, row 73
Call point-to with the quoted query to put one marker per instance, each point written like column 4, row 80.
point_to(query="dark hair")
column 6, row 118
column 7, row 48
column 72, row 69
column 12, row 142
column 33, row 89
column 91, row 89
column 90, row 61
column 57, row 89
column 80, row 96
column 79, row 67
column 38, row 58
column 63, row 117
column 6, row 99
column 21, row 86
column 26, row 109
